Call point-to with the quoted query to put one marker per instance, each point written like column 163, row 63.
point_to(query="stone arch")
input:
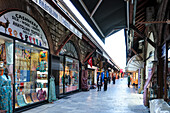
column 70, row 49
column 32, row 9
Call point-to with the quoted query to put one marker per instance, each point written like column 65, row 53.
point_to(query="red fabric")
column 90, row 61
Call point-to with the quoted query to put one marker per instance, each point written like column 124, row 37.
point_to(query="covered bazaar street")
column 117, row 99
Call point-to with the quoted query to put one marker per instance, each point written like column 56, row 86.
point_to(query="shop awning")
column 134, row 64
column 104, row 16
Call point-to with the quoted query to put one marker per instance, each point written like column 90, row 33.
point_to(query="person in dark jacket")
column 99, row 83
column 109, row 79
column 105, row 83
column 128, row 80
column 113, row 79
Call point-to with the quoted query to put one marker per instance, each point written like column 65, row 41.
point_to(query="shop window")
column 31, row 74
column 61, row 75
column 71, row 74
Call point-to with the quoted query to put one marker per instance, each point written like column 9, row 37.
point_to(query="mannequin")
column 5, row 92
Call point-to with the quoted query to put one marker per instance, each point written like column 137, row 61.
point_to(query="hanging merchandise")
column 5, row 92
column 9, row 50
column 41, row 94
column 52, row 94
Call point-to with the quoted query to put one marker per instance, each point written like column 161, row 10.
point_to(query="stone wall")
column 55, row 31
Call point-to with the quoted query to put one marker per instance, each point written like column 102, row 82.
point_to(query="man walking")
column 99, row 83
column 128, row 80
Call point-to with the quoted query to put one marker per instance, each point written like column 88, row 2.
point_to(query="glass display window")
column 6, row 74
column 71, row 74
column 31, row 74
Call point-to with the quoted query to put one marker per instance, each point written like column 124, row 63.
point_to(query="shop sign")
column 22, row 26
column 50, row 10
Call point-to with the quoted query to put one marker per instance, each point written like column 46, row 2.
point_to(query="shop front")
column 92, row 77
column 69, row 74
column 24, row 62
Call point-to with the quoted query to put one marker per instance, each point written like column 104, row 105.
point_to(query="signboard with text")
column 22, row 26
column 50, row 10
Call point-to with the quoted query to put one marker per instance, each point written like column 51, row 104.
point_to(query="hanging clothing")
column 5, row 93
column 9, row 52
column 52, row 93
column 41, row 95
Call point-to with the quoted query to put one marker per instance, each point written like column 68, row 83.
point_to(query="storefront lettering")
column 49, row 9
column 21, row 26
column 26, row 19
column 24, row 27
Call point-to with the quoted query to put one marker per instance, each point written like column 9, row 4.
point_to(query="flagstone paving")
column 117, row 99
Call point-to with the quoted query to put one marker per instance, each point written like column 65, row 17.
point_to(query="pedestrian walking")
column 113, row 79
column 99, row 83
column 105, row 83
column 109, row 79
column 128, row 80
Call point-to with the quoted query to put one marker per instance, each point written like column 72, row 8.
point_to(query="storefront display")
column 31, row 74
column 91, row 78
column 6, row 74
column 71, row 74
column 23, row 52
column 61, row 80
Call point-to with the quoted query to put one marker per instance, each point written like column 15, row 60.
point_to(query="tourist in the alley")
column 105, row 82
column 128, row 80
column 109, row 79
column 113, row 79
column 99, row 83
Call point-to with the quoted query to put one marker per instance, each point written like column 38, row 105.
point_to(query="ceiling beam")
column 142, row 4
column 141, row 27
column 89, row 55
column 131, row 14
column 143, row 36
column 90, row 43
column 138, row 12
column 136, row 54
column 94, row 10
column 155, row 22
column 141, row 19
column 140, row 15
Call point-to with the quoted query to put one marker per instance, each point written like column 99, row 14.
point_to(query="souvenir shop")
column 24, row 64
column 69, row 69
column 92, row 77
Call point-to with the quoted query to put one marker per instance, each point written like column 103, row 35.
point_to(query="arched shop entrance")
column 24, row 61
column 67, row 79
column 70, row 77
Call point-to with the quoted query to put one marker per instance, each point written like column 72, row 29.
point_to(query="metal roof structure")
column 104, row 16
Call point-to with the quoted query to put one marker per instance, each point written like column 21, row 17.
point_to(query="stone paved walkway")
column 117, row 99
